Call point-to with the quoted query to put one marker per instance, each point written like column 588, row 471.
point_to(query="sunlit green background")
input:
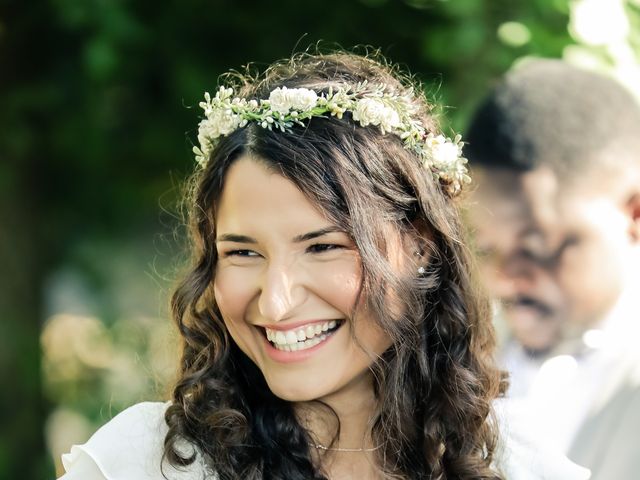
column 96, row 128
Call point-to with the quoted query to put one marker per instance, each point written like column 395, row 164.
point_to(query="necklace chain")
column 337, row 449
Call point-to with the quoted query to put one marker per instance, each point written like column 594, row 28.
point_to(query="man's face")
column 554, row 257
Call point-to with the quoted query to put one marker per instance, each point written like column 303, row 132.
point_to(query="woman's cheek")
column 340, row 281
column 232, row 290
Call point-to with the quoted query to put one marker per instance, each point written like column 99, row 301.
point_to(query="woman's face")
column 286, row 281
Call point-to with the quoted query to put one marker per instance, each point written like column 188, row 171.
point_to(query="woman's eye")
column 240, row 253
column 323, row 247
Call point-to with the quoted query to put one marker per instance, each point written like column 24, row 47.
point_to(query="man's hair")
column 550, row 113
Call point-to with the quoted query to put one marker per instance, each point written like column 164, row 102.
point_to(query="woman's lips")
column 295, row 344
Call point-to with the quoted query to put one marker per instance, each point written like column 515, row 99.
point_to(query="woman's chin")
column 295, row 393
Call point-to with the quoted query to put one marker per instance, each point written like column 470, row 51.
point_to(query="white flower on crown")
column 443, row 151
column 283, row 100
column 219, row 123
column 375, row 112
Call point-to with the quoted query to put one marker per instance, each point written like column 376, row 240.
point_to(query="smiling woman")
column 331, row 328
column 286, row 289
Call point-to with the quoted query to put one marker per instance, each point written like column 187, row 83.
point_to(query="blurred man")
column 556, row 154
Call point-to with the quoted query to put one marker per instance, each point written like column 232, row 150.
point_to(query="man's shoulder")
column 607, row 439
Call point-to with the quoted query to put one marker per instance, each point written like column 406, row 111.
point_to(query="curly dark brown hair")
column 435, row 385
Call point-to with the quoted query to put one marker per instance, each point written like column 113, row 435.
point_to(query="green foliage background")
column 95, row 138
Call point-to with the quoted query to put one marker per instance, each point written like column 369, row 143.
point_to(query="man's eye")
column 542, row 258
column 568, row 243
column 485, row 253
column 323, row 247
column 549, row 259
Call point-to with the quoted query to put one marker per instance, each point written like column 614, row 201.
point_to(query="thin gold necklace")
column 337, row 449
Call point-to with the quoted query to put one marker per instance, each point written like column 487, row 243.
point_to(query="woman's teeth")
column 301, row 338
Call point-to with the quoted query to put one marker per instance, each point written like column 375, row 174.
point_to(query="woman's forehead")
column 253, row 192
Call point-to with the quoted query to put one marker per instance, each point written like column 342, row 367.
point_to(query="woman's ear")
column 633, row 210
column 417, row 243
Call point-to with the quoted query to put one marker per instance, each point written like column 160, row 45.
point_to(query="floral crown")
column 368, row 105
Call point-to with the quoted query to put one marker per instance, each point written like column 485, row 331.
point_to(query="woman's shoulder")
column 521, row 455
column 128, row 447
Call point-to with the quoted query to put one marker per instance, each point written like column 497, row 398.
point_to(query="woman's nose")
column 281, row 292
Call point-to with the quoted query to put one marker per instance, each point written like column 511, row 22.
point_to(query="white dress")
column 130, row 447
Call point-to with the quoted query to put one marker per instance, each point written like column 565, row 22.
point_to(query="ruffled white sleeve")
column 524, row 456
column 129, row 447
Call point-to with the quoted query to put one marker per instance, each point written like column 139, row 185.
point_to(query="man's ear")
column 633, row 210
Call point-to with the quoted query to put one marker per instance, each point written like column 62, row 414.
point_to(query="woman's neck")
column 345, row 425
column 354, row 408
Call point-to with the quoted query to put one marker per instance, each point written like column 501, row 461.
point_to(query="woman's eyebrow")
column 234, row 237
column 316, row 233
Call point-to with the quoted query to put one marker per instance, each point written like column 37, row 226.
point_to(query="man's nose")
column 282, row 292
column 513, row 277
